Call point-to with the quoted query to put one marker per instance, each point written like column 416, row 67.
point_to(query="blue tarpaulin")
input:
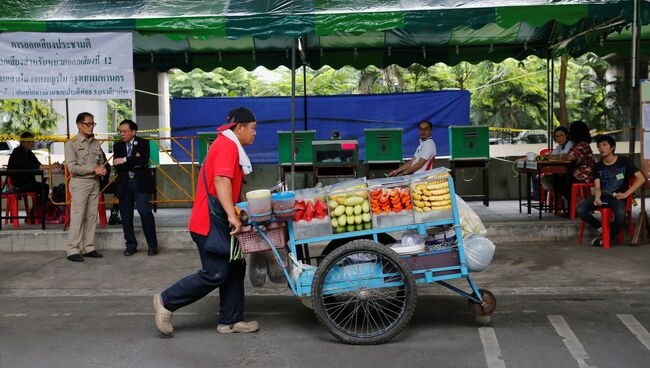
column 350, row 114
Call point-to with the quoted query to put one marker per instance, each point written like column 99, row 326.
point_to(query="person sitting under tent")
column 22, row 158
column 425, row 154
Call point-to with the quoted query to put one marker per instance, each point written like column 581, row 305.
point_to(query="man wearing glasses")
column 134, row 184
column 85, row 162
column 424, row 156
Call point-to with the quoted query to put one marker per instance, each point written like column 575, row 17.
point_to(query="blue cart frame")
column 371, row 275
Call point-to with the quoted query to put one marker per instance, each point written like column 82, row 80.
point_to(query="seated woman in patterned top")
column 581, row 156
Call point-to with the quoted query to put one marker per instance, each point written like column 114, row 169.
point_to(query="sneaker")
column 240, row 327
column 597, row 242
column 163, row 316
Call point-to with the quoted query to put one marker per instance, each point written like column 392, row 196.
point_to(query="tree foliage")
column 216, row 83
column 36, row 116
column 509, row 94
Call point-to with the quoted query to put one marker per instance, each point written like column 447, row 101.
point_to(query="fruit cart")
column 364, row 292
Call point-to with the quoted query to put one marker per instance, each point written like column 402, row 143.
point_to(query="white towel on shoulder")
column 244, row 161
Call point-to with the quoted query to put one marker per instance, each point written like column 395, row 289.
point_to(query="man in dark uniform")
column 22, row 158
column 134, row 184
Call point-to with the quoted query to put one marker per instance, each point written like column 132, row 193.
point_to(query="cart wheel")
column 483, row 312
column 363, row 293
column 257, row 269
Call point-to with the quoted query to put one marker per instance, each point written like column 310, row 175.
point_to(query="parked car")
column 531, row 138
column 7, row 147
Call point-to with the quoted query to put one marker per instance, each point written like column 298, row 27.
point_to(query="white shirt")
column 560, row 150
column 426, row 151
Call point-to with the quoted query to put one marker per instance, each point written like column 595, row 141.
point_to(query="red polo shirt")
column 222, row 160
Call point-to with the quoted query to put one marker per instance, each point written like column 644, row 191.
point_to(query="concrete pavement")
column 543, row 268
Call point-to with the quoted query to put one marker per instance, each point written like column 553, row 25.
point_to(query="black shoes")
column 115, row 218
column 75, row 258
column 152, row 252
column 129, row 252
column 93, row 254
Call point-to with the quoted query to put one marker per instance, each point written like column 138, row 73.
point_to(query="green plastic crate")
column 205, row 139
column 467, row 142
column 302, row 140
column 383, row 145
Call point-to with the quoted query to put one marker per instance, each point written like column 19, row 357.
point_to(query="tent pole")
column 549, row 121
column 67, row 119
column 293, row 114
column 304, row 94
column 642, row 228
column 634, row 108
column 552, row 90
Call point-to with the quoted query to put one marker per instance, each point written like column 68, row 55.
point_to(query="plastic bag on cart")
column 274, row 270
column 479, row 251
column 470, row 223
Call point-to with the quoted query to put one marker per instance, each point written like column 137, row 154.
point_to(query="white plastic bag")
column 479, row 251
column 470, row 223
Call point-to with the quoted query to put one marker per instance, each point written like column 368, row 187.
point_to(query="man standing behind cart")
column 224, row 167
column 425, row 154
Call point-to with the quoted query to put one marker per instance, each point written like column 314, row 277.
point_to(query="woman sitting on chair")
column 581, row 157
column 561, row 137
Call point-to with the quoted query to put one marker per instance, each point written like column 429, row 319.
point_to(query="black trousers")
column 216, row 272
column 39, row 188
column 585, row 209
column 131, row 195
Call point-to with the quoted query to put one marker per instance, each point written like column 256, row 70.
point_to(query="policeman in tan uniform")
column 84, row 159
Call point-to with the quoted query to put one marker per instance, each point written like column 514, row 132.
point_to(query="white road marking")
column 122, row 314
column 636, row 328
column 570, row 340
column 491, row 348
column 15, row 315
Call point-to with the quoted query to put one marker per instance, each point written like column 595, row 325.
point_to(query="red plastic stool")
column 584, row 189
column 12, row 209
column 606, row 216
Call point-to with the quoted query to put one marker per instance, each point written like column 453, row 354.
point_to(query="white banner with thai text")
column 37, row 65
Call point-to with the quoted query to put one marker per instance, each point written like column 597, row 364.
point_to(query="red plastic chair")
column 607, row 215
column 582, row 189
column 12, row 204
column 545, row 196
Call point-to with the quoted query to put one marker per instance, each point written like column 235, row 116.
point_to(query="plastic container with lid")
column 283, row 204
column 259, row 205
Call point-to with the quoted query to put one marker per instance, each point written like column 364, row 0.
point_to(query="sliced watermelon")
column 321, row 213
column 308, row 216
column 299, row 215
column 319, row 205
column 310, row 207
column 300, row 205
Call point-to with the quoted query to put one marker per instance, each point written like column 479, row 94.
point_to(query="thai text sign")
column 66, row 65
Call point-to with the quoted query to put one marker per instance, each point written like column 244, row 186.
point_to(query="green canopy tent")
column 188, row 34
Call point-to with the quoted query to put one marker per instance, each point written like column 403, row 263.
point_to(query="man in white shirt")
column 425, row 154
